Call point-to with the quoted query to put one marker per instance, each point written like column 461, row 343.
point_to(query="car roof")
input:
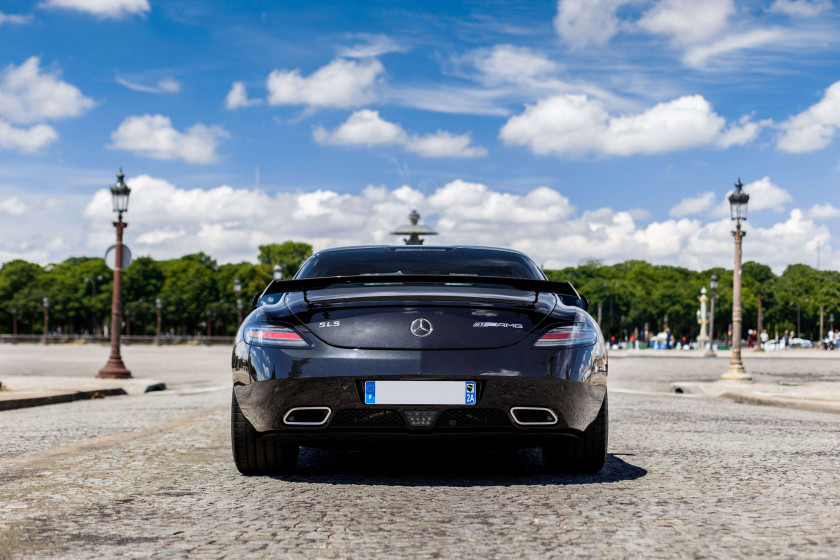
column 421, row 248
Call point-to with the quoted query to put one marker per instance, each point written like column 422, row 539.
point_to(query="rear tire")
column 583, row 455
column 254, row 454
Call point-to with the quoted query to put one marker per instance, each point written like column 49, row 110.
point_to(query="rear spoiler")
column 565, row 290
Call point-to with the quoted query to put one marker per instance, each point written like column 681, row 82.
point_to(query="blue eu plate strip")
column 370, row 392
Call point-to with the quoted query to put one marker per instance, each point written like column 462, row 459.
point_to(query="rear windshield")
column 398, row 260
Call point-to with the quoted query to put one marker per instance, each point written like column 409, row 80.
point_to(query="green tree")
column 289, row 255
column 21, row 291
column 189, row 288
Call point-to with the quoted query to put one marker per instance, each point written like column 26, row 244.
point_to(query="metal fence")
column 168, row 340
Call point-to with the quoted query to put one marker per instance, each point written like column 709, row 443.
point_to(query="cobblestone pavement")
column 151, row 477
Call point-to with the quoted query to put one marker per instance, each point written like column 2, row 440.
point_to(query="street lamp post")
column 821, row 345
column 760, row 327
column 14, row 323
column 713, row 284
column 237, row 287
column 46, row 303
column 92, row 281
column 738, row 208
column 702, row 319
column 799, row 320
column 158, row 308
column 115, row 368
column 799, row 316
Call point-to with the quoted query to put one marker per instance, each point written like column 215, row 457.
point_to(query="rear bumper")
column 351, row 423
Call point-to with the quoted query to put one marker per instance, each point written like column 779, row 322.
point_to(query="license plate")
column 420, row 392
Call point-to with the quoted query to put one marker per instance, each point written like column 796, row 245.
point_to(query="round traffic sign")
column 111, row 257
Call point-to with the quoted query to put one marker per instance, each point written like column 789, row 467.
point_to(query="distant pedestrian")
column 832, row 336
column 668, row 338
column 763, row 337
column 786, row 340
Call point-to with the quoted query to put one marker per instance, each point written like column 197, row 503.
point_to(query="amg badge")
column 488, row 324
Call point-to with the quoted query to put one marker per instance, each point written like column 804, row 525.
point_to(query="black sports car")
column 385, row 345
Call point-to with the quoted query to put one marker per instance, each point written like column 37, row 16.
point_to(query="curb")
column 24, row 391
column 55, row 398
column 785, row 402
column 765, row 394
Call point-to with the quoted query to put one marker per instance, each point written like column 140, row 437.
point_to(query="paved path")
column 150, row 476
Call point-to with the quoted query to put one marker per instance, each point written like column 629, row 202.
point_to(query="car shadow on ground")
column 447, row 468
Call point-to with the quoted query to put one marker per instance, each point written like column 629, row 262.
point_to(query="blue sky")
column 605, row 129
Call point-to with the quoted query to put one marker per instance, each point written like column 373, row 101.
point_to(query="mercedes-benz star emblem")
column 421, row 327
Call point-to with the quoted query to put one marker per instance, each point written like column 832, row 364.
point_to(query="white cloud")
column 26, row 140
column 371, row 46
column 576, row 125
column 154, row 136
column 714, row 30
column 824, row 211
column 697, row 56
column 238, row 97
column 169, row 85
column 444, row 144
column 801, row 8
column 15, row 19
column 693, row 205
column 688, row 21
column 341, row 83
column 165, row 85
column 451, row 100
column 362, row 127
column 701, row 31
column 639, row 214
column 366, row 127
column 582, row 23
column 508, row 63
column 230, row 223
column 507, row 76
column 114, row 9
column 29, row 95
column 742, row 133
column 815, row 127
column 765, row 195
column 12, row 206
column 42, row 229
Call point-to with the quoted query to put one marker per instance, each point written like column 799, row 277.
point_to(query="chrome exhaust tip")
column 307, row 416
column 533, row 416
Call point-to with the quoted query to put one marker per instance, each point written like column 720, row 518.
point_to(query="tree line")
column 634, row 293
column 195, row 290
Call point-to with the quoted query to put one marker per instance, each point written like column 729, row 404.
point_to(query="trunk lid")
column 427, row 317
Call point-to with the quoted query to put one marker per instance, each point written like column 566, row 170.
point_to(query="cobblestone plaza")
column 150, row 476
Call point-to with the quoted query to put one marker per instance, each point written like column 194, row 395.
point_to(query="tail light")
column 578, row 334
column 275, row 337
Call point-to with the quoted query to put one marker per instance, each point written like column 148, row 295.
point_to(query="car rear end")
column 411, row 360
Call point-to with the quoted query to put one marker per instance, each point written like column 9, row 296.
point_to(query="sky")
column 570, row 130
